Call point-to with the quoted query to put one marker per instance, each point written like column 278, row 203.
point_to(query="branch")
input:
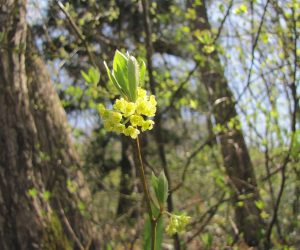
column 180, row 87
column 253, row 51
column 78, row 32
column 189, row 160
column 223, row 21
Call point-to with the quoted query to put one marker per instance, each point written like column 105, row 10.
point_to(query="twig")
column 211, row 212
column 147, row 195
column 189, row 160
column 293, row 129
column 78, row 32
column 223, row 21
column 253, row 51
column 180, row 87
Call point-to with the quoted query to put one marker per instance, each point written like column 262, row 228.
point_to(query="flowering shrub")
column 130, row 115
column 130, row 118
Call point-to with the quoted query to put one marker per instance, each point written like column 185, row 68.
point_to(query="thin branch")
column 189, row 160
column 210, row 212
column 78, row 32
column 180, row 87
column 293, row 129
column 223, row 21
column 253, row 51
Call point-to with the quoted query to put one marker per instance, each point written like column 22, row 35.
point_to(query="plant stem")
column 147, row 195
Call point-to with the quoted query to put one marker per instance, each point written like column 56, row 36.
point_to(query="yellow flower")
column 119, row 105
column 136, row 120
column 141, row 107
column 101, row 109
column 129, row 109
column 177, row 223
column 115, row 117
column 119, row 128
column 132, row 132
column 147, row 125
column 108, row 125
column 142, row 93
column 123, row 111
column 146, row 107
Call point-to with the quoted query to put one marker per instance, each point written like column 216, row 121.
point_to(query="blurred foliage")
column 259, row 53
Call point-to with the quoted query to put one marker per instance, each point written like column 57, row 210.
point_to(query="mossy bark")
column 36, row 152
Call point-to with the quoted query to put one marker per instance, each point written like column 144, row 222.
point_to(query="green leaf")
column 46, row 195
column 159, row 234
column 147, row 235
column 241, row 9
column 32, row 192
column 94, row 75
column 113, row 79
column 259, row 204
column 120, row 70
column 133, row 77
column 162, row 189
column 85, row 76
column 207, row 240
column 142, row 72
column 208, row 49
column 160, row 186
column 154, row 181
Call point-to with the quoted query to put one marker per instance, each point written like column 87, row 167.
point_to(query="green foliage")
column 126, row 75
column 33, row 192
column 207, row 240
column 46, row 195
column 159, row 232
column 160, row 186
column 92, row 76
column 242, row 9
column 264, row 110
column 55, row 237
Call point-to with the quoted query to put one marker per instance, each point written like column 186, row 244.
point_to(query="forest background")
column 226, row 134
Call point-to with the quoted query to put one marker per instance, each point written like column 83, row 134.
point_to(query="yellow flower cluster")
column 177, row 223
column 129, row 117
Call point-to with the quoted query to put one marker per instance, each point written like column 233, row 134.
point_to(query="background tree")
column 37, row 155
column 200, row 52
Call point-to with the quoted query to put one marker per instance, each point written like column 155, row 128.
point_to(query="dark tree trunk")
column 36, row 152
column 126, row 204
column 234, row 150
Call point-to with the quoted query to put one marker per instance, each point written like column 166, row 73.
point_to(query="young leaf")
column 120, row 70
column 154, row 181
column 113, row 79
column 133, row 77
column 159, row 234
column 162, row 189
column 85, row 76
column 94, row 75
column 142, row 72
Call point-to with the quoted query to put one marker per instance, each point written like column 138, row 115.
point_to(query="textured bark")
column 234, row 150
column 35, row 149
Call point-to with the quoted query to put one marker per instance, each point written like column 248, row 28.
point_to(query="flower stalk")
column 130, row 116
column 153, row 220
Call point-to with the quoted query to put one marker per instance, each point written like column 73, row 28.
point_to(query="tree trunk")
column 234, row 150
column 126, row 204
column 36, row 154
